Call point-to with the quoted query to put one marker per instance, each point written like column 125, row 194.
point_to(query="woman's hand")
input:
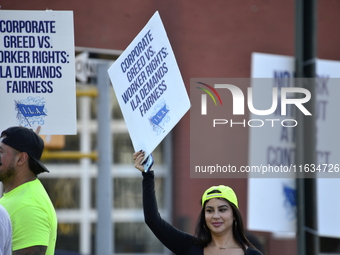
column 138, row 157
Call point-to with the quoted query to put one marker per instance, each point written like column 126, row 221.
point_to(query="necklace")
column 221, row 248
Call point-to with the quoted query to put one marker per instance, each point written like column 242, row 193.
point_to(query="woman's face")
column 219, row 216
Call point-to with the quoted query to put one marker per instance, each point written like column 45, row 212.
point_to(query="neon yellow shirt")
column 34, row 221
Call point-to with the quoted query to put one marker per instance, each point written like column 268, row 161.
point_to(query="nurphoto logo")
column 281, row 99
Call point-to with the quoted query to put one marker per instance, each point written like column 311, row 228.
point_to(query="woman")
column 219, row 229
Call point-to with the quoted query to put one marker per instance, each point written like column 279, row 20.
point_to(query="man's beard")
column 6, row 174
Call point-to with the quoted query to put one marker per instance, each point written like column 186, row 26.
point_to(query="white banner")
column 275, row 146
column 37, row 72
column 149, row 87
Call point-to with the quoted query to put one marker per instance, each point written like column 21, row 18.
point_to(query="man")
column 5, row 232
column 34, row 221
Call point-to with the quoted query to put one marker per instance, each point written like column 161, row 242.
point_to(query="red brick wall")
column 210, row 39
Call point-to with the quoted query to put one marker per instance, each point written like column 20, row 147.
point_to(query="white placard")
column 149, row 87
column 37, row 72
column 276, row 146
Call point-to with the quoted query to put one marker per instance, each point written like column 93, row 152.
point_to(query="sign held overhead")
column 149, row 87
column 37, row 71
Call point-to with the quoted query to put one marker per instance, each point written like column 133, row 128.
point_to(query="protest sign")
column 149, row 87
column 37, row 71
column 275, row 147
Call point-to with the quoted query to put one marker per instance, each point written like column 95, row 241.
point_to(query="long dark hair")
column 203, row 232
